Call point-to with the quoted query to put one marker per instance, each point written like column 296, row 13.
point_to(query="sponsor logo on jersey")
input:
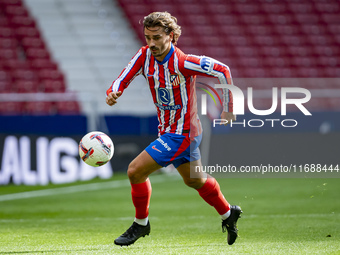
column 166, row 146
column 154, row 147
column 164, row 95
column 169, row 107
column 207, row 64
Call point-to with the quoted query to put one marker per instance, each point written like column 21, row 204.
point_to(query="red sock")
column 212, row 194
column 141, row 193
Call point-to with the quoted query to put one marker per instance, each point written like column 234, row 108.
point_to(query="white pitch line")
column 72, row 219
column 311, row 215
column 78, row 188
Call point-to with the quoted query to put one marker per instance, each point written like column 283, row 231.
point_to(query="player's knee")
column 133, row 173
column 195, row 183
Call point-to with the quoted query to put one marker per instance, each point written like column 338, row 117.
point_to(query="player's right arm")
column 133, row 69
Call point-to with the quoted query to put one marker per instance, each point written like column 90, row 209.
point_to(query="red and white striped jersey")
column 172, row 85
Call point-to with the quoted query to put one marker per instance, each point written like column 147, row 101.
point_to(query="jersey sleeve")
column 206, row 66
column 133, row 69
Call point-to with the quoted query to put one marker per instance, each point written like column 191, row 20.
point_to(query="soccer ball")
column 96, row 148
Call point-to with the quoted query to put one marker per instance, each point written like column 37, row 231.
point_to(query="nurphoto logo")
column 238, row 105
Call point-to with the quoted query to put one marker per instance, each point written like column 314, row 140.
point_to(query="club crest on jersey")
column 174, row 79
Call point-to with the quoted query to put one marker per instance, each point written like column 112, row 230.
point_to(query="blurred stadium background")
column 58, row 57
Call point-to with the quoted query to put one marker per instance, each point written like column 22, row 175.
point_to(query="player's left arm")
column 206, row 66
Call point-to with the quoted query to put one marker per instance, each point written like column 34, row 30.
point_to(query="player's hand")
column 111, row 99
column 229, row 116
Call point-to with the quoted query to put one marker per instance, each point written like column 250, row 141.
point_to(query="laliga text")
column 268, row 168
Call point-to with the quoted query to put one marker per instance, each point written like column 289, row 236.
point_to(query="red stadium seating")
column 53, row 86
column 15, row 10
column 43, row 63
column 40, row 108
column 32, row 42
column 26, row 65
column 68, row 107
column 297, row 39
column 5, row 86
column 24, row 74
column 6, row 32
column 8, row 43
column 27, row 86
column 9, row 53
column 37, row 53
column 11, row 108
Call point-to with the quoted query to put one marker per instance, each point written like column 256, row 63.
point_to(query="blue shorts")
column 174, row 149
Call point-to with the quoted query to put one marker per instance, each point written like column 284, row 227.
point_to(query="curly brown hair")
column 165, row 20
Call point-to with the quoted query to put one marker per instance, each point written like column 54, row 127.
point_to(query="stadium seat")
column 301, row 51
column 166, row 7
column 245, row 51
column 253, row 19
column 32, row 42
column 48, row 74
column 331, row 18
column 22, row 21
column 282, row 72
column 217, row 8
column 14, row 64
column 192, row 9
column 211, row 41
column 303, row 62
column 225, row 19
column 5, row 86
column 40, row 108
column 25, row 61
column 6, row 32
column 266, row 40
column 3, row 21
column 5, row 76
column 247, row 8
column 52, row 86
column 326, row 50
column 24, row 74
column 300, row 7
column 273, row 51
column 327, row 7
column 226, row 30
column 280, row 19
column 37, row 53
column 274, row 8
column 43, row 63
column 278, row 61
column 8, row 53
column 308, row 72
column 22, row 32
column 334, row 29
column 68, row 107
column 137, row 9
column 332, row 72
column 8, row 43
column 11, row 108
column 249, row 62
column 313, row 29
column 15, row 10
column 4, row 3
column 27, row 86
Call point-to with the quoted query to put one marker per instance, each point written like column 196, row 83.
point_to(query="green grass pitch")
column 281, row 216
